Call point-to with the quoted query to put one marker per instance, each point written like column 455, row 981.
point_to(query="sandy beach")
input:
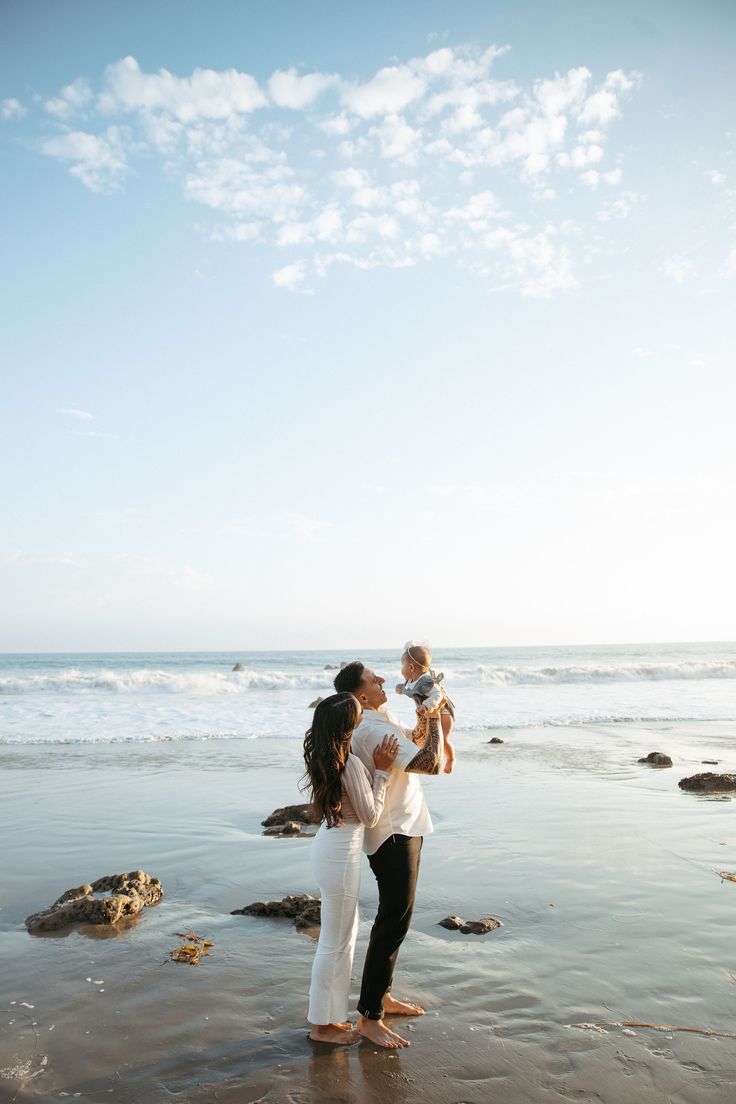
column 602, row 871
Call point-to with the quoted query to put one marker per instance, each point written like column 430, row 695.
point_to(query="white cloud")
column 451, row 126
column 676, row 268
column 336, row 124
column 604, row 105
column 327, row 226
column 287, row 89
column 73, row 98
column 243, row 189
column 291, row 276
column 389, row 92
column 207, row 94
column 716, row 177
column 562, row 92
column 11, row 108
column 398, row 141
column 98, row 160
column 74, row 412
column 619, row 208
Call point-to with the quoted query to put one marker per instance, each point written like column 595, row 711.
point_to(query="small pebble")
column 628, row 1031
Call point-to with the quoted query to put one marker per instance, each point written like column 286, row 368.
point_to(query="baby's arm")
column 447, row 726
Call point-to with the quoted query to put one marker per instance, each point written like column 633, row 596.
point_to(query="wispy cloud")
column 12, row 108
column 74, row 412
column 369, row 173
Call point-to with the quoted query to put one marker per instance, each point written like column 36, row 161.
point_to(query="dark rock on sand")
column 238, row 667
column 300, row 813
column 291, row 828
column 128, row 894
column 331, row 667
column 657, row 759
column 710, row 762
column 708, row 782
column 315, row 703
column 302, row 908
column 452, row 923
column 480, row 927
column 495, row 740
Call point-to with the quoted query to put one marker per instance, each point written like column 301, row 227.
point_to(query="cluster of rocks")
column 289, row 821
column 471, row 927
column 121, row 895
column 495, row 740
column 302, row 908
column 704, row 783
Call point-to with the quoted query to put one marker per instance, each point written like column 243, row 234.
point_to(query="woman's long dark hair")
column 326, row 747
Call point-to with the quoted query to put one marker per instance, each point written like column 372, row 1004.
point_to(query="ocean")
column 166, row 696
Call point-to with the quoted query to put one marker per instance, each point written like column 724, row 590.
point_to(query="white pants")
column 336, row 858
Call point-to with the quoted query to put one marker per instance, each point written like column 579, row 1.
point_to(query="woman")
column 345, row 800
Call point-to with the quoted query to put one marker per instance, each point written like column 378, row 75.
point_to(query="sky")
column 330, row 324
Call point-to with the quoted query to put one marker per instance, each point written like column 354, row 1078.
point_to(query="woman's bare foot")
column 377, row 1032
column 393, row 1007
column 343, row 1034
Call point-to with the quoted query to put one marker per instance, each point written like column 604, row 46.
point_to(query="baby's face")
column 407, row 667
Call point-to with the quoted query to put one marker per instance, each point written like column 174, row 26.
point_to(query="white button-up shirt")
column 405, row 811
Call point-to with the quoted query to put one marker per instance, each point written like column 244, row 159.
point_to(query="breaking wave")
column 205, row 682
column 691, row 670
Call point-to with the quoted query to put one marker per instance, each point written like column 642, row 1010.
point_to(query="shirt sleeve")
column 365, row 797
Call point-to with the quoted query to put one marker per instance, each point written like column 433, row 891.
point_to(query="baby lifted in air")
column 423, row 685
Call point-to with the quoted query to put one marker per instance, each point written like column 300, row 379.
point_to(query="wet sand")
column 602, row 872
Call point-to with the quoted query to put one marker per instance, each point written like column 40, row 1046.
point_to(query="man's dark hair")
column 348, row 679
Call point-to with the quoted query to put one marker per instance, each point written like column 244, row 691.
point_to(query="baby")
column 423, row 685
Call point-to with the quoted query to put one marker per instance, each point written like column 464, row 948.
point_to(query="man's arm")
column 427, row 761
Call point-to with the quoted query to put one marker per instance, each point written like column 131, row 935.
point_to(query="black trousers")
column 396, row 868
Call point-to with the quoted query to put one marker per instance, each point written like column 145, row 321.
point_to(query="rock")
column 291, row 828
column 302, row 908
column 315, row 703
column 452, row 923
column 708, row 782
column 480, row 927
column 710, row 762
column 331, row 667
column 300, row 813
column 238, row 667
column 128, row 894
column 495, row 740
column 657, row 759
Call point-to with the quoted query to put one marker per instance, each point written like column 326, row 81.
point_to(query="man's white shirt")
column 405, row 811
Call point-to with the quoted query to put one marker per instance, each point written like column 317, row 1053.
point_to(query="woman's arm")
column 365, row 797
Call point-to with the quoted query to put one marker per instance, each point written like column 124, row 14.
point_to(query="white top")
column 362, row 799
column 405, row 811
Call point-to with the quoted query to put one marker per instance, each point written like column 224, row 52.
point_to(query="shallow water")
column 604, row 874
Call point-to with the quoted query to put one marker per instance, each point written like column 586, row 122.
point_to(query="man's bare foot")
column 377, row 1032
column 393, row 1007
column 334, row 1033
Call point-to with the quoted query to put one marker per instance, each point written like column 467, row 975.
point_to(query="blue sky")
column 338, row 324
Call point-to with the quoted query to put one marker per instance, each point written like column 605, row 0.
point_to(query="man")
column 394, row 845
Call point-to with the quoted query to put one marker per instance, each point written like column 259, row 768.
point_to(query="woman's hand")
column 385, row 753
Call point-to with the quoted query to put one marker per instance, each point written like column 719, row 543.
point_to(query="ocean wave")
column 690, row 670
column 190, row 682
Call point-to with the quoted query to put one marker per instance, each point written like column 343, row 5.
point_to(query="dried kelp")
column 191, row 949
